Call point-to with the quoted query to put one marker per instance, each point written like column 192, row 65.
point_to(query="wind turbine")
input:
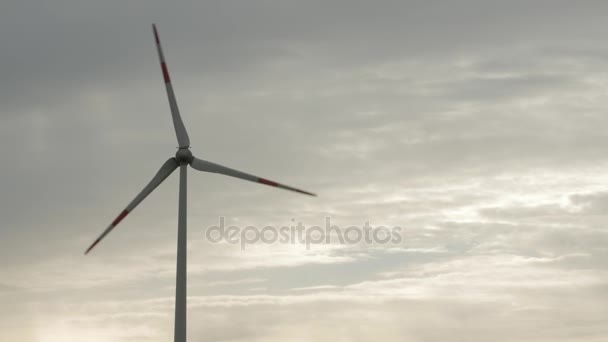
column 182, row 159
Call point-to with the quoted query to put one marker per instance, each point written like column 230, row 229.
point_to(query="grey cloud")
column 476, row 125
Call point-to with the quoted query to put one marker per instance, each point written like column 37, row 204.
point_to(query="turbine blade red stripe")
column 279, row 185
column 267, row 182
column 120, row 217
column 166, row 77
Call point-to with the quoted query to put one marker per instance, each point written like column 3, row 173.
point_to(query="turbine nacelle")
column 184, row 156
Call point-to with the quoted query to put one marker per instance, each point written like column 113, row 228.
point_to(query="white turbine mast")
column 182, row 159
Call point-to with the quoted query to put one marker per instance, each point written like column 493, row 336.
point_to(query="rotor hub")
column 184, row 156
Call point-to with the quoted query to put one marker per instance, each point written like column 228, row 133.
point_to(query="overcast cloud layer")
column 479, row 127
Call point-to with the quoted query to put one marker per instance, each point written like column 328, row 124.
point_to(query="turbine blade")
column 168, row 167
column 203, row 165
column 180, row 130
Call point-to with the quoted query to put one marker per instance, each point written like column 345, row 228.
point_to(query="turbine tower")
column 182, row 159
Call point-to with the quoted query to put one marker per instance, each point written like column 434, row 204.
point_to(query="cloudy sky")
column 479, row 127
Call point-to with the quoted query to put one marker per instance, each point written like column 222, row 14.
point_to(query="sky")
column 477, row 127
